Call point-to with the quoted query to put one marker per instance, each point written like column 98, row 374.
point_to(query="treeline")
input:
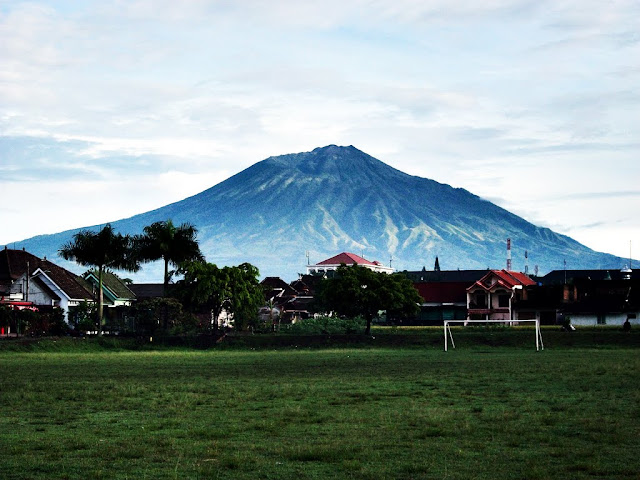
column 206, row 298
column 205, row 288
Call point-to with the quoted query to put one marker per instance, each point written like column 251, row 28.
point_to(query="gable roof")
column 14, row 264
column 306, row 284
column 274, row 283
column 502, row 278
column 514, row 278
column 72, row 285
column 276, row 287
column 112, row 283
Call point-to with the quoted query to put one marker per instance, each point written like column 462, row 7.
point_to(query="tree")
column 358, row 291
column 235, row 289
column 164, row 241
column 205, row 287
column 246, row 295
column 103, row 250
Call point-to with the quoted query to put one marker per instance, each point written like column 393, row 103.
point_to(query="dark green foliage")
column 358, row 291
column 105, row 249
column 149, row 316
column 326, row 326
column 206, row 287
column 46, row 321
column 82, row 318
column 170, row 243
column 246, row 296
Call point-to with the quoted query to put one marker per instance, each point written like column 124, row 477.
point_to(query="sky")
column 113, row 108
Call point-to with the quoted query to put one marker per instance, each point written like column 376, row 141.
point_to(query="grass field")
column 366, row 413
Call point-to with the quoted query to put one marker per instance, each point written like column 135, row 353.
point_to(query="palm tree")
column 104, row 250
column 175, row 245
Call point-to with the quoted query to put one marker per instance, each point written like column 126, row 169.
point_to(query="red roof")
column 504, row 278
column 348, row 259
column 514, row 278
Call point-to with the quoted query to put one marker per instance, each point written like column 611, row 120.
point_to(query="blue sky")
column 112, row 108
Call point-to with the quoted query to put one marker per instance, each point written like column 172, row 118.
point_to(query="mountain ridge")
column 336, row 199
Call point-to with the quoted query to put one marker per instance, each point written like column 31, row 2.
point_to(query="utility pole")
column 26, row 294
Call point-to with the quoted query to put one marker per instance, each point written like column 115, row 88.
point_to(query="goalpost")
column 447, row 329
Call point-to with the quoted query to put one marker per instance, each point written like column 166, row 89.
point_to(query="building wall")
column 592, row 319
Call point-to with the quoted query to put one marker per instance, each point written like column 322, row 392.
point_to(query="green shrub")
column 326, row 326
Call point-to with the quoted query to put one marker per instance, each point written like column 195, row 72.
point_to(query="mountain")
column 336, row 199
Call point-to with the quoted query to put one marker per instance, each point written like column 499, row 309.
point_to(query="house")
column 443, row 292
column 13, row 265
column 345, row 258
column 494, row 296
column 39, row 282
column 592, row 297
column 116, row 292
column 307, row 285
column 117, row 297
column 275, row 287
column 288, row 303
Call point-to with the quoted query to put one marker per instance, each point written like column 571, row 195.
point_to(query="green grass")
column 365, row 413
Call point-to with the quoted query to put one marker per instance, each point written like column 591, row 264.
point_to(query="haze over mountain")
column 337, row 199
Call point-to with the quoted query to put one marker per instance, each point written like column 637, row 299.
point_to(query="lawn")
column 366, row 413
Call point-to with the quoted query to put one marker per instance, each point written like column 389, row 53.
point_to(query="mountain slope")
column 340, row 199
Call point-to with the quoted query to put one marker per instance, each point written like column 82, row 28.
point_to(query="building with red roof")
column 348, row 259
column 494, row 295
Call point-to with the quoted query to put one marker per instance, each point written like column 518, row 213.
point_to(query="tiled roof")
column 274, row 282
column 14, row 264
column 306, row 285
column 112, row 282
column 504, row 278
column 348, row 259
column 276, row 287
column 147, row 290
column 514, row 278
column 70, row 283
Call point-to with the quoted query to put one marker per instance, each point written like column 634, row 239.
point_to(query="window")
column 503, row 301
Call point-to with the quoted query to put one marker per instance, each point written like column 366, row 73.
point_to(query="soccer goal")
column 447, row 330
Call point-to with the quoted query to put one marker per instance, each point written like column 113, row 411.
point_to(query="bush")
column 149, row 318
column 326, row 326
column 83, row 317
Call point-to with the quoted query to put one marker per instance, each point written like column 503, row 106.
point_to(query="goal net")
column 448, row 336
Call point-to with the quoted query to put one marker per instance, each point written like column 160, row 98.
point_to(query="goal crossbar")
column 447, row 330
